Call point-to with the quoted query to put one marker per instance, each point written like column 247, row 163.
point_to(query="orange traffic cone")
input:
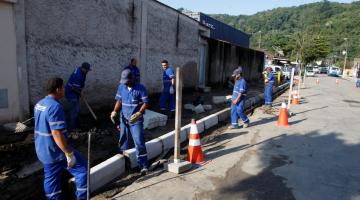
column 295, row 100
column 317, row 81
column 283, row 116
column 195, row 154
column 337, row 81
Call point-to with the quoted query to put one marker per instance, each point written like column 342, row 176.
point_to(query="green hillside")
column 310, row 31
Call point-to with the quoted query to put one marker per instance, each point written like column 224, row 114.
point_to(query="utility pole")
column 260, row 40
column 178, row 166
column 345, row 54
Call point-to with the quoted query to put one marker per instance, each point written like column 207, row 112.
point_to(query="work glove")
column 71, row 160
column 113, row 117
column 135, row 117
column 171, row 90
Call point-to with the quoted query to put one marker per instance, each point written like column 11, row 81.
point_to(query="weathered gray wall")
column 171, row 36
column 60, row 35
column 224, row 58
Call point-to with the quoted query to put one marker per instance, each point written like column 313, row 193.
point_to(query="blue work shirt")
column 168, row 75
column 239, row 87
column 135, row 71
column 49, row 115
column 131, row 100
column 271, row 78
column 77, row 81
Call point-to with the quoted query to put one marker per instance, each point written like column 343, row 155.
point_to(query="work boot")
column 232, row 127
column 266, row 108
column 144, row 171
column 246, row 125
column 269, row 111
column 263, row 107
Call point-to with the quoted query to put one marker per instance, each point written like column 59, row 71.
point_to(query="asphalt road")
column 317, row 157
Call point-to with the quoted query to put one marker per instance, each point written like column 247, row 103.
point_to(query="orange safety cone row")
column 195, row 154
column 283, row 116
column 295, row 100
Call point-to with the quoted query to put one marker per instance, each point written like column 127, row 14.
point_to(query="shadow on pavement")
column 315, row 165
column 314, row 95
column 221, row 137
column 320, row 108
column 351, row 101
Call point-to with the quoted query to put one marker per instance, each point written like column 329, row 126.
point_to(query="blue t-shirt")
column 135, row 71
column 49, row 115
column 239, row 87
column 168, row 75
column 271, row 78
column 76, row 80
column 131, row 100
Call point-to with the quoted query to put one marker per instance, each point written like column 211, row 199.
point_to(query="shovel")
column 90, row 109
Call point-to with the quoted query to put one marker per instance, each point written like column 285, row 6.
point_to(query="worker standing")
column 73, row 90
column 132, row 98
column 168, row 93
column 134, row 69
column 238, row 100
column 269, row 83
column 51, row 144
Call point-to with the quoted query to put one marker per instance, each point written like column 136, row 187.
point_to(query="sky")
column 236, row 7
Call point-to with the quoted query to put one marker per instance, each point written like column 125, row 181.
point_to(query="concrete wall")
column 9, row 87
column 224, row 58
column 60, row 35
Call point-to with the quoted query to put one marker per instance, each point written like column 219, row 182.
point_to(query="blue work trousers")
column 74, row 106
column 268, row 94
column 52, row 177
column 166, row 98
column 238, row 111
column 137, row 132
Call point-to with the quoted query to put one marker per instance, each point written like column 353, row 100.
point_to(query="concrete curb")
column 106, row 171
column 155, row 149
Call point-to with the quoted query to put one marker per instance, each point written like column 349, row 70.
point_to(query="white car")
column 309, row 71
column 316, row 70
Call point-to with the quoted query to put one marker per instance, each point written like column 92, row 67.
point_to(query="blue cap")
column 86, row 66
column 237, row 71
column 126, row 75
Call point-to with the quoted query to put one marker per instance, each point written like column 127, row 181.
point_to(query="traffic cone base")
column 283, row 116
column 295, row 100
column 195, row 154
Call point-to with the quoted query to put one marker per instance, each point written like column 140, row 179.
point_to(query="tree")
column 317, row 48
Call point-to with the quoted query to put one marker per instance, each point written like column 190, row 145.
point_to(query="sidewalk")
column 316, row 157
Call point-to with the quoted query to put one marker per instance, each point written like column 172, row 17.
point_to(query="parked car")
column 323, row 70
column 309, row 71
column 285, row 71
column 316, row 70
column 334, row 71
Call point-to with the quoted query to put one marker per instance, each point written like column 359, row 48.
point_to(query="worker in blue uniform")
column 51, row 144
column 132, row 99
column 134, row 69
column 269, row 83
column 73, row 90
column 238, row 100
column 168, row 93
